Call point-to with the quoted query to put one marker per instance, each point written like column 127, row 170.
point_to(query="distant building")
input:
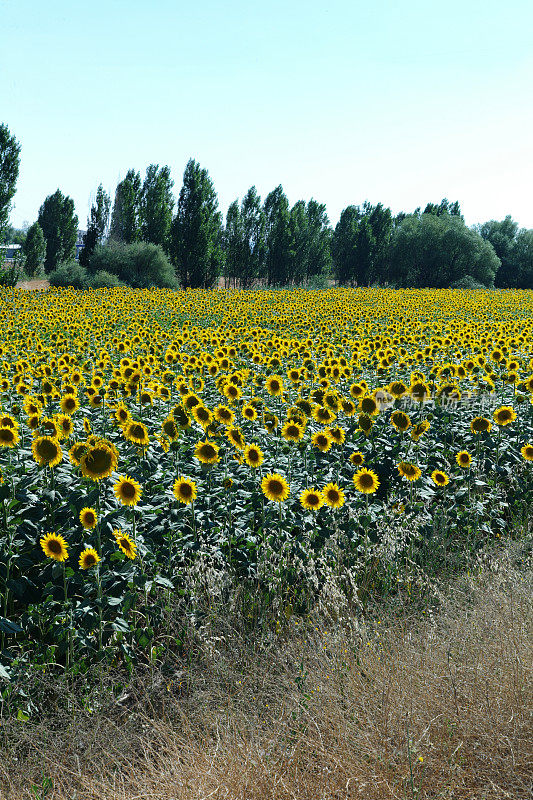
column 79, row 244
column 8, row 251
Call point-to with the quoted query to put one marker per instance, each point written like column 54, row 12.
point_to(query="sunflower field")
column 156, row 444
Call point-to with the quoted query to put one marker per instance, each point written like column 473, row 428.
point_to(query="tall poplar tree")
column 125, row 219
column 156, row 206
column 97, row 225
column 59, row 224
column 9, row 171
column 279, row 242
column 196, row 231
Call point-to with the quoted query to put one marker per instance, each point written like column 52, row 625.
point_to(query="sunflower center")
column 99, row 459
column 47, row 450
column 366, row 481
column 275, row 486
column 128, row 490
column 54, row 546
column 185, row 490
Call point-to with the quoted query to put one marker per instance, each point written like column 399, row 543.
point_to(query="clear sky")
column 340, row 100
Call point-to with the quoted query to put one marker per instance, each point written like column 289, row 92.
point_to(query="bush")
column 69, row 273
column 11, row 273
column 104, row 280
column 467, row 282
column 140, row 265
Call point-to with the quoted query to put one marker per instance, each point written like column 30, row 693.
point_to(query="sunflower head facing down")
column 88, row 518
column 128, row 547
column 184, row 490
column 366, row 481
column 312, row 499
column 409, row 471
column 275, row 487
column 127, row 491
column 54, row 546
column 89, row 558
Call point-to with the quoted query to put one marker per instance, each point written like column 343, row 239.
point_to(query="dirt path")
column 33, row 285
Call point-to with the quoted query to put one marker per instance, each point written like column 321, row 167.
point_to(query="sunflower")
column 184, row 490
column 420, row 391
column 365, row 423
column 337, row 435
column 202, row 415
column 527, row 452
column 464, row 459
column 504, row 415
column 170, row 429
column 89, row 558
column 121, row 414
column 409, row 471
column 69, row 403
column 249, row 412
column 368, row 405
column 54, row 546
column 88, row 518
column 419, row 429
column 253, row 455
column 128, row 547
column 357, row 459
column 480, row 425
column 7, row 421
column 333, row 495
column 99, row 461
column 46, row 451
column 400, row 420
column 207, row 452
column 136, row 432
column 224, row 415
column 397, row 389
column 275, row 487
column 292, row 431
column 312, row 499
column 8, row 436
column 76, row 451
column 270, row 421
column 274, row 385
column 439, row 477
column 235, row 437
column 127, row 491
column 65, row 424
column 366, row 481
column 322, row 440
column 323, row 415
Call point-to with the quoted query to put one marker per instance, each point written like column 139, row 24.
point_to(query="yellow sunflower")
column 88, row 518
column 274, row 385
column 8, row 436
column 464, row 459
column 366, row 481
column 312, row 499
column 136, row 432
column 99, row 461
column 46, row 451
column 400, row 420
column 504, row 415
column 292, row 431
column 69, row 403
column 480, row 425
column 439, row 477
column 224, row 415
column 89, row 558
column 235, row 437
column 207, row 452
column 127, row 491
column 76, row 451
column 333, row 495
column 322, row 440
column 275, row 487
column 253, row 455
column 409, row 471
column 170, row 429
column 54, row 546
column 357, row 459
column 527, row 452
column 184, row 490
column 128, row 547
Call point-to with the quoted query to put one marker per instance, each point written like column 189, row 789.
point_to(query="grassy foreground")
column 432, row 703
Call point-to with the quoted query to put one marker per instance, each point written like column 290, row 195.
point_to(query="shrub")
column 467, row 282
column 104, row 280
column 11, row 273
column 69, row 273
column 140, row 265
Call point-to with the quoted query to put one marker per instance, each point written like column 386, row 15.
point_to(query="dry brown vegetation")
column 426, row 705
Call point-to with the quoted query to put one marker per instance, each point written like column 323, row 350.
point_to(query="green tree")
column 300, row 242
column 9, row 172
column 35, row 250
column 125, row 218
column 278, row 237
column 521, row 257
column 60, row 227
column 344, row 246
column 156, row 205
column 234, row 245
column 438, row 251
column 444, row 207
column 319, row 232
column 97, row 225
column 501, row 235
column 196, row 233
column 140, row 264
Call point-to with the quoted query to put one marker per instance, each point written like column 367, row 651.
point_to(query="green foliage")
column 156, row 204
column 437, row 251
column 10, row 273
column 59, row 225
column 35, row 251
column 104, row 280
column 244, row 240
column 125, row 219
column 69, row 273
column 360, row 244
column 196, row 233
column 9, row 171
column 279, row 240
column 97, row 225
column 139, row 264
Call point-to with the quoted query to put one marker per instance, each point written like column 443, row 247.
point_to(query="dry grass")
column 437, row 706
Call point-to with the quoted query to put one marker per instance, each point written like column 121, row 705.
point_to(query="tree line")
column 147, row 236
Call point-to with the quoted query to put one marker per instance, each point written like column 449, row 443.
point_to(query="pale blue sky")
column 341, row 100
